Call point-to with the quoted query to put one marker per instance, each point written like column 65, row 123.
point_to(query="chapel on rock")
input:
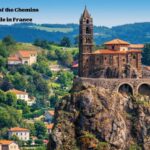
column 118, row 59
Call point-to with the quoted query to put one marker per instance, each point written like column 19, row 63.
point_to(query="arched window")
column 88, row 40
column 113, row 47
column 144, row 89
column 125, row 89
column 87, row 30
column 134, row 56
column 87, row 21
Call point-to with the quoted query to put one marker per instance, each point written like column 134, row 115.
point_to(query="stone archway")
column 144, row 89
column 125, row 88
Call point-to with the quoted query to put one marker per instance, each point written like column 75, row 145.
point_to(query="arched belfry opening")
column 87, row 21
column 144, row 89
column 87, row 30
column 125, row 89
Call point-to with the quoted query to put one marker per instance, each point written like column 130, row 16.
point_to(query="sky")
column 104, row 12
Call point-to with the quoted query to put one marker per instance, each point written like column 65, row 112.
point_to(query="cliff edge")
column 93, row 118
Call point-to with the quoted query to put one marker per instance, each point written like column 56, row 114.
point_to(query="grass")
column 135, row 147
column 53, row 62
column 55, row 85
column 27, row 46
column 54, row 47
column 48, row 29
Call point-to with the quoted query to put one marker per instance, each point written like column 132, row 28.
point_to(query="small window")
column 123, row 60
column 87, row 21
column 88, row 40
column 105, row 58
column 87, row 30
column 134, row 56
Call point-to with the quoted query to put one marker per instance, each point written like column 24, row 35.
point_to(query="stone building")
column 22, row 133
column 23, row 57
column 23, row 95
column 8, row 145
column 49, row 128
column 118, row 59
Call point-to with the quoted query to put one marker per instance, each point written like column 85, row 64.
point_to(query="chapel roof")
column 107, row 51
column 116, row 42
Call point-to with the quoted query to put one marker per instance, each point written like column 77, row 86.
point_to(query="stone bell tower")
column 85, row 43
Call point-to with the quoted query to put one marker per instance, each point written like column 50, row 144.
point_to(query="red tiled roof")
column 15, row 129
column 116, row 42
column 49, row 126
column 45, row 141
column 13, row 58
column 136, row 46
column 17, row 91
column 106, row 51
column 147, row 67
column 26, row 54
column 51, row 112
column 75, row 64
column 6, row 142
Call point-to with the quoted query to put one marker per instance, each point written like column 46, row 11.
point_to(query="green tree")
column 68, row 59
column 19, row 81
column 40, row 83
column 76, row 41
column 9, row 117
column 39, row 142
column 22, row 105
column 8, row 40
column 31, row 127
column 6, row 84
column 42, row 43
column 53, row 101
column 29, row 142
column 4, row 133
column 2, row 97
column 65, row 79
column 3, row 62
column 65, row 41
column 14, row 138
column 51, row 55
column 11, row 99
column 3, row 50
column 40, row 129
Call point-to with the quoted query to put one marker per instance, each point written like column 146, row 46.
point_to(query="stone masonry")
column 113, row 84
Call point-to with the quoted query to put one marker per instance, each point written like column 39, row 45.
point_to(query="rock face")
column 128, row 71
column 96, row 119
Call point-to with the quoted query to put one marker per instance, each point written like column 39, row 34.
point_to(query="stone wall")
column 113, row 84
